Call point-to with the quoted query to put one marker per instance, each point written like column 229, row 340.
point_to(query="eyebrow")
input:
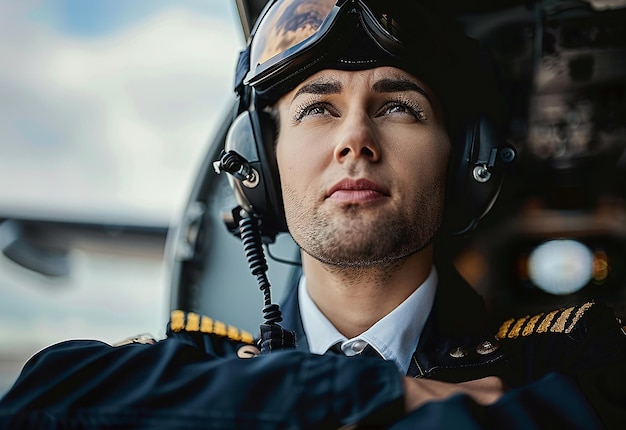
column 387, row 85
column 393, row 85
column 319, row 88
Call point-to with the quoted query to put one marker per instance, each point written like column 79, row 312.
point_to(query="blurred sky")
column 106, row 111
column 106, row 106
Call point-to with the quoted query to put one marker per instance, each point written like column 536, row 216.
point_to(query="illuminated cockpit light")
column 561, row 266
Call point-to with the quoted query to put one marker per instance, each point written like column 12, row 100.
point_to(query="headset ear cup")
column 266, row 133
column 475, row 175
column 252, row 135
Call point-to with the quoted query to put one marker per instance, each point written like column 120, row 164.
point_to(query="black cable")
column 251, row 240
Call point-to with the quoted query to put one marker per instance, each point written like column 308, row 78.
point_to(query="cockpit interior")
column 557, row 233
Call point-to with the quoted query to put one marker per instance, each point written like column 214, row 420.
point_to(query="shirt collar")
column 394, row 337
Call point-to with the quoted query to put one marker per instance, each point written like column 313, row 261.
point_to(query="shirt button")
column 358, row 346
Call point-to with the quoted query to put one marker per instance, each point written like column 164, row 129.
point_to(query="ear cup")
column 475, row 174
column 252, row 136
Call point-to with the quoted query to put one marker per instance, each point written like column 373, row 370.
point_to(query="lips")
column 356, row 190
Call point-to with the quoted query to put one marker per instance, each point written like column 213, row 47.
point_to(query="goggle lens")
column 291, row 27
column 286, row 24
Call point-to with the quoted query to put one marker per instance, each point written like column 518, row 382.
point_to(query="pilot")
column 375, row 128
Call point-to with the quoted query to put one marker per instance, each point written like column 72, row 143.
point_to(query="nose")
column 357, row 139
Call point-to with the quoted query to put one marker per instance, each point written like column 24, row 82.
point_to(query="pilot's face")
column 362, row 158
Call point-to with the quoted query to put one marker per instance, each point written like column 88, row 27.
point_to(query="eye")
column 401, row 107
column 313, row 109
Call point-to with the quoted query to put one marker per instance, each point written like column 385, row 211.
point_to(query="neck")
column 355, row 298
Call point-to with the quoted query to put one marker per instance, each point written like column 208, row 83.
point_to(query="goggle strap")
column 243, row 64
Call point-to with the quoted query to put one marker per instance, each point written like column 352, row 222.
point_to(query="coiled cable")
column 251, row 240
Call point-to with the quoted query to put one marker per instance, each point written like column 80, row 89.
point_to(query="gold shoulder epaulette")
column 558, row 321
column 193, row 322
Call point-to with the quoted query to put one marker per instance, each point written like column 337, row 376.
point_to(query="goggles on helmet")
column 295, row 38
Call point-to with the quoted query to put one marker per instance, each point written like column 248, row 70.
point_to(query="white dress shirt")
column 394, row 337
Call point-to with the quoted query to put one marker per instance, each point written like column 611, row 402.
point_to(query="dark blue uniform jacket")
column 565, row 369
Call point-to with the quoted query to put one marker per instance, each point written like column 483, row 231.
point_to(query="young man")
column 368, row 98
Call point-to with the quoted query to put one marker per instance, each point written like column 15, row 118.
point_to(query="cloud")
column 115, row 126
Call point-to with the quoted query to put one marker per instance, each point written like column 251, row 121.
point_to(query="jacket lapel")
column 456, row 343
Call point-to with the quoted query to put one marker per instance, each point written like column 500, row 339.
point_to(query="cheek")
column 441, row 152
column 427, row 154
column 287, row 162
column 299, row 157
column 293, row 167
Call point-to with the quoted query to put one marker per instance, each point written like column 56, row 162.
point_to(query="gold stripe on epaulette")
column 530, row 326
column 206, row 325
column 517, row 327
column 177, row 320
column 504, row 328
column 554, row 322
column 559, row 324
column 579, row 313
column 545, row 324
column 193, row 322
